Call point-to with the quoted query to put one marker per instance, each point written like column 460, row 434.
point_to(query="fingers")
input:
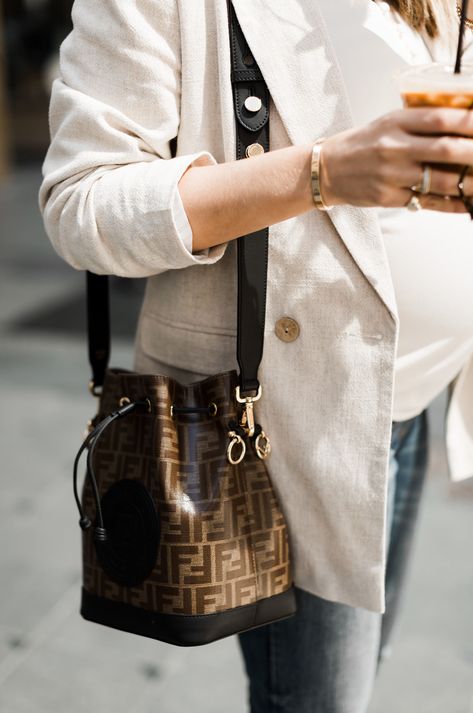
column 434, row 202
column 433, row 120
column 441, row 149
column 396, row 146
column 432, row 135
column 445, row 204
column 445, row 182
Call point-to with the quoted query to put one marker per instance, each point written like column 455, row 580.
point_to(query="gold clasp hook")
column 248, row 417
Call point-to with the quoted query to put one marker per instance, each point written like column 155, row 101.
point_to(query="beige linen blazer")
column 134, row 75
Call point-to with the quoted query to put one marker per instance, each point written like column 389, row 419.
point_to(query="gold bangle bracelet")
column 315, row 176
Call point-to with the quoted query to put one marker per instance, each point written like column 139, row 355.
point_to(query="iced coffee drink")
column 436, row 85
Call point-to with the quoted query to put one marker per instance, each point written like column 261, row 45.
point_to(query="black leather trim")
column 246, row 81
column 247, row 75
column 183, row 630
column 129, row 553
column 253, row 121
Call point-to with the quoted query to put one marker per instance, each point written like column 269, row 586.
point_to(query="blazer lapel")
column 290, row 42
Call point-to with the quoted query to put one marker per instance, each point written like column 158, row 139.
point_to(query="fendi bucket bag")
column 183, row 538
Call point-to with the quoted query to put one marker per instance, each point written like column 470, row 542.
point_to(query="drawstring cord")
column 90, row 442
column 210, row 410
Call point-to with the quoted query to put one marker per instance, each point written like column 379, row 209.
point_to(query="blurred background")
column 50, row 659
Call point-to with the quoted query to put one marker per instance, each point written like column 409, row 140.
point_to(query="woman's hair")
column 430, row 16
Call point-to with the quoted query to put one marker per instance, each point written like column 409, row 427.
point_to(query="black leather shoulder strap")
column 252, row 129
column 98, row 327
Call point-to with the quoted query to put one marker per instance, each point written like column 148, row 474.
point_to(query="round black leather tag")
column 129, row 553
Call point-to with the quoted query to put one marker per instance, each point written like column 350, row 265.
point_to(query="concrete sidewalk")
column 53, row 661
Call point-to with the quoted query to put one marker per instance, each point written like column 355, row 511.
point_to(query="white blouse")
column 430, row 253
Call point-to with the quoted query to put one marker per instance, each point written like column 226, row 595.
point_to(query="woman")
column 345, row 389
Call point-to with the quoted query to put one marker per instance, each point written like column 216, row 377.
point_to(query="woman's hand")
column 376, row 165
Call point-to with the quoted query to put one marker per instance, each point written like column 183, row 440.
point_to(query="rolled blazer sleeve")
column 109, row 195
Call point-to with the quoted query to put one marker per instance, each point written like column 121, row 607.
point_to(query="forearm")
column 236, row 198
column 372, row 165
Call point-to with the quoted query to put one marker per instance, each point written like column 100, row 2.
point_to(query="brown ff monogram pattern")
column 223, row 538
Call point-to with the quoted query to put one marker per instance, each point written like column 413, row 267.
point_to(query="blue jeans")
column 325, row 658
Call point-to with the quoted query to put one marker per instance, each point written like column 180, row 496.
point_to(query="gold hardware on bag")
column 262, row 445
column 124, row 401
column 95, row 390
column 213, row 408
column 236, row 441
column 248, row 417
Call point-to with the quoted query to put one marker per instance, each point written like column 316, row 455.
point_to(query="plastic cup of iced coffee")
column 436, row 85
